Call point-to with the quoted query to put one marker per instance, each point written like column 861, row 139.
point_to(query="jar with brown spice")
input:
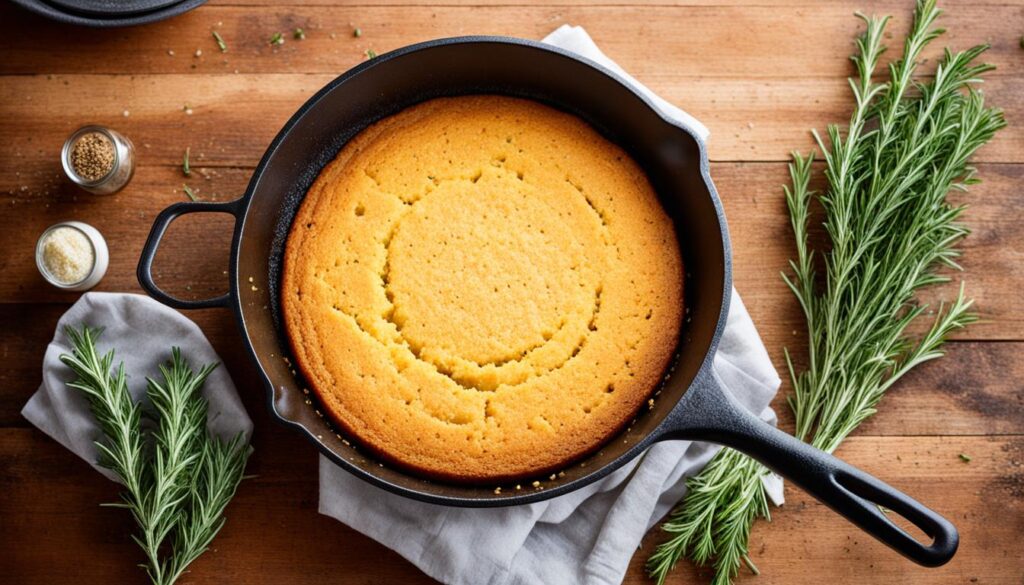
column 98, row 159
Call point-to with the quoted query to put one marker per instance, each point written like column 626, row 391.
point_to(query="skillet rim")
column 659, row 432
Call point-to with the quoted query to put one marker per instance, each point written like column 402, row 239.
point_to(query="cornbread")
column 482, row 288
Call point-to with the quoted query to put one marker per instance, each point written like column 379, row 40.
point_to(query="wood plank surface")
column 699, row 41
column 51, row 500
column 750, row 120
column 760, row 74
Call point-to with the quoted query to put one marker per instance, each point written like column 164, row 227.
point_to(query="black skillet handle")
column 163, row 220
column 709, row 413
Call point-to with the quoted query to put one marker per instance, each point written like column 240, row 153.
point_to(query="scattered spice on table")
column 92, row 156
column 277, row 39
column 299, row 34
column 220, row 42
column 358, row 32
column 370, row 53
column 191, row 194
column 67, row 255
column 184, row 163
column 965, row 457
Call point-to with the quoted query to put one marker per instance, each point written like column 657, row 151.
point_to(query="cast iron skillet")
column 692, row 403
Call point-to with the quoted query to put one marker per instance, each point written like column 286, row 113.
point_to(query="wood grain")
column 755, row 41
column 759, row 74
column 51, row 500
column 749, row 119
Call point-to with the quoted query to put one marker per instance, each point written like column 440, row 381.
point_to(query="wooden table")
column 759, row 76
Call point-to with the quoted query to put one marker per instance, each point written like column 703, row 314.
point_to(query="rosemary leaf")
column 220, row 42
column 118, row 416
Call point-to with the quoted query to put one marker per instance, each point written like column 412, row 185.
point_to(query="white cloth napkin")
column 587, row 536
column 142, row 332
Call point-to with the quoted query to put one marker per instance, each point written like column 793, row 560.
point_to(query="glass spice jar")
column 72, row 255
column 98, row 159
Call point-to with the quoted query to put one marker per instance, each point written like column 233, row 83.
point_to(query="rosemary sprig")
column 177, row 489
column 217, row 476
column 890, row 230
column 118, row 416
column 186, row 168
column 178, row 441
column 714, row 522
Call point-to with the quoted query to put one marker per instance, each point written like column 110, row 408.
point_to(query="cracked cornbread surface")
column 482, row 288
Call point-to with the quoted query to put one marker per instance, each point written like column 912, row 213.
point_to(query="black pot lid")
column 112, row 8
column 124, row 17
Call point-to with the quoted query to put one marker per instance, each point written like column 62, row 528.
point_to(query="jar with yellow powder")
column 72, row 255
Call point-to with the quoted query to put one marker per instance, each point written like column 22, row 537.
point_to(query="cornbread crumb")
column 68, row 256
column 482, row 288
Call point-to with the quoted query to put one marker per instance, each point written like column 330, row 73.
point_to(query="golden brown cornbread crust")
column 482, row 288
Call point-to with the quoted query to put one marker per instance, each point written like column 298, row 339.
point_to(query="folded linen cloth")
column 142, row 332
column 587, row 536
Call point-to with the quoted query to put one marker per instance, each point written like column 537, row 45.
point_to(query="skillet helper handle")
column 156, row 233
column 708, row 412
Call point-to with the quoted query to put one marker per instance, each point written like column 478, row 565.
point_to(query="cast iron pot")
column 692, row 403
